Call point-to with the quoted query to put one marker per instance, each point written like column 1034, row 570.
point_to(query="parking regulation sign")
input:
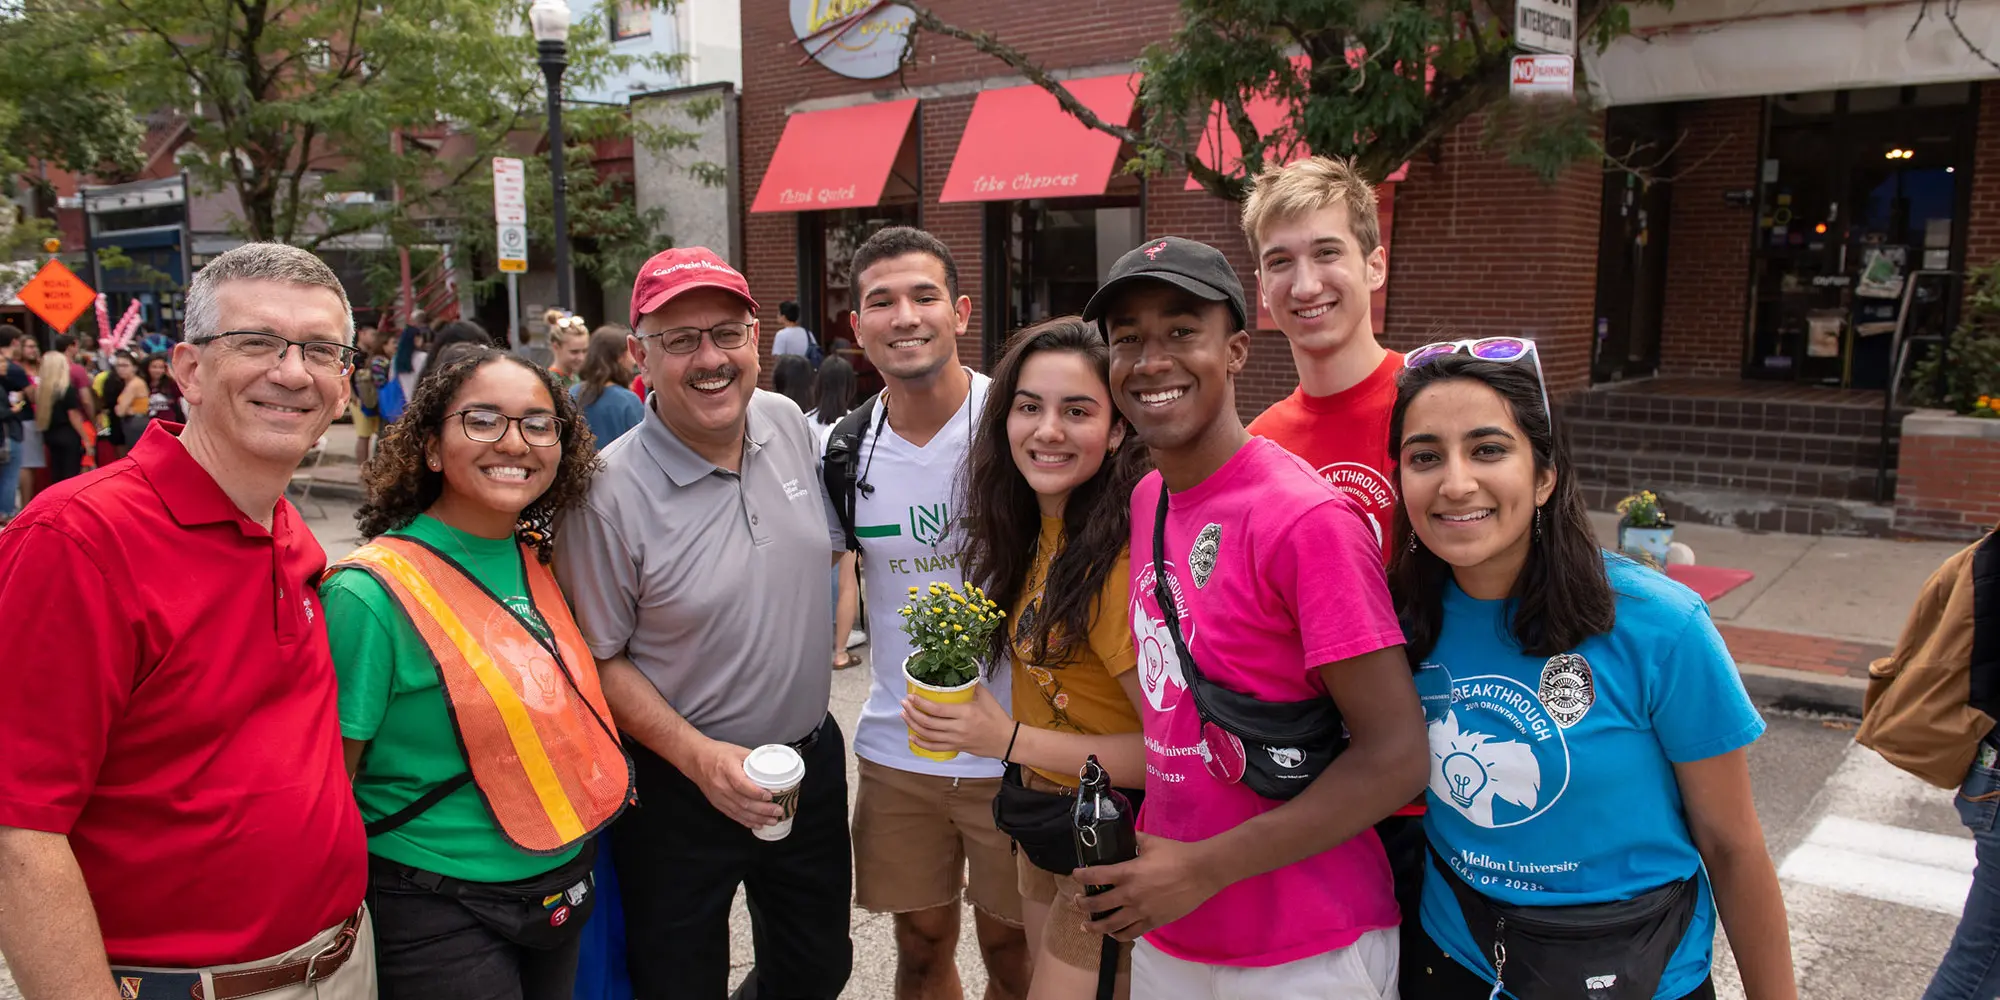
column 1543, row 75
column 513, row 244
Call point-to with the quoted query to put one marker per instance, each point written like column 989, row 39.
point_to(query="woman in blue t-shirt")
column 1590, row 810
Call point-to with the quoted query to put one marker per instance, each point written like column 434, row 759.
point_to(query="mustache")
column 727, row 371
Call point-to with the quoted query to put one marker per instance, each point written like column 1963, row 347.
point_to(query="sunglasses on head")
column 1500, row 350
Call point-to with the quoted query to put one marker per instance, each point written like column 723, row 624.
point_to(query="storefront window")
column 1861, row 190
column 1044, row 258
column 827, row 241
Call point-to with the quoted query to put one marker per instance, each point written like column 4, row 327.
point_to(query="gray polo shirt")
column 715, row 584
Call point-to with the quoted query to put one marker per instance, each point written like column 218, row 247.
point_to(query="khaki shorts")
column 354, row 980
column 922, row 841
column 364, row 425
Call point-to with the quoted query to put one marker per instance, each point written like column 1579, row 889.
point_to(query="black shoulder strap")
column 420, row 806
column 1163, row 595
column 1986, row 626
column 841, row 466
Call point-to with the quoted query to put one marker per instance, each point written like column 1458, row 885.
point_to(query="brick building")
column 1720, row 324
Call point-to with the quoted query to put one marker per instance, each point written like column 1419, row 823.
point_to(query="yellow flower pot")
column 944, row 696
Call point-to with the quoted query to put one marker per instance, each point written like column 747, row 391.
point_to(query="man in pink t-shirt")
column 1280, row 593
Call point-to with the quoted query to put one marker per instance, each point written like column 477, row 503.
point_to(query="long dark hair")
column 1562, row 596
column 1003, row 520
column 401, row 483
column 604, row 363
column 792, row 376
column 834, row 390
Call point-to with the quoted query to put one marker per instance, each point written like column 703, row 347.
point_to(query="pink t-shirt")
column 1276, row 573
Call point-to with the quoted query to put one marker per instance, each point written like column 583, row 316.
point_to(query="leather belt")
column 809, row 740
column 319, row 966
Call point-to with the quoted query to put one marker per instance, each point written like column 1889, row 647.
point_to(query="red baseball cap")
column 671, row 273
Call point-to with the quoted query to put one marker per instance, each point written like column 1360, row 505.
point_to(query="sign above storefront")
column 1542, row 26
column 863, row 39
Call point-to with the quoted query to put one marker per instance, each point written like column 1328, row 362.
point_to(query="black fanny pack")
column 545, row 912
column 1039, row 822
column 1274, row 748
column 1597, row 951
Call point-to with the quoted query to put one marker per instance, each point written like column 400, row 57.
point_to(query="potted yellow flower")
column 948, row 632
column 1643, row 527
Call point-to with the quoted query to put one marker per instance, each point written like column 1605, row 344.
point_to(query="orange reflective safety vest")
column 530, row 715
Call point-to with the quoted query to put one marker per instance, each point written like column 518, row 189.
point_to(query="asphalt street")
column 1874, row 863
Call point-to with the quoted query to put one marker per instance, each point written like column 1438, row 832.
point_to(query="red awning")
column 838, row 158
column 1221, row 150
column 1019, row 143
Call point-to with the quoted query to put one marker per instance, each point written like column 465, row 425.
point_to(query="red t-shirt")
column 1346, row 437
column 168, row 703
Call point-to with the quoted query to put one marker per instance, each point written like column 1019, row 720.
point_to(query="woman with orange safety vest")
column 483, row 755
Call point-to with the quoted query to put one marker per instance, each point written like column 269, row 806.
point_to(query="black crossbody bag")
column 543, row 912
column 1039, row 822
column 1597, row 951
column 1274, row 748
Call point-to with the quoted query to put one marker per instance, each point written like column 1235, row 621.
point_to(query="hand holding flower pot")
column 948, row 632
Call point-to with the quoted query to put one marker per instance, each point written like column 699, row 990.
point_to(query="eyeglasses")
column 687, row 339
column 539, row 430
column 1501, row 350
column 323, row 357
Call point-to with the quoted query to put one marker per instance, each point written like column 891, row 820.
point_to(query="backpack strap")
column 842, row 465
column 420, row 806
column 1986, row 626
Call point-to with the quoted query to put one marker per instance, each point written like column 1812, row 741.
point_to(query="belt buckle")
column 348, row 932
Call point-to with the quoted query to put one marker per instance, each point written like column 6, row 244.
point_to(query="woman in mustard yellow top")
column 1049, row 483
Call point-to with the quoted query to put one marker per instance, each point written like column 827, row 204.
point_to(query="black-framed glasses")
column 1501, row 350
column 323, row 357
column 687, row 339
column 539, row 430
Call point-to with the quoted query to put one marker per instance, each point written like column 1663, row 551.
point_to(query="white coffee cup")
column 777, row 769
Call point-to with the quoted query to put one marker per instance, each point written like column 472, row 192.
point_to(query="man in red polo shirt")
column 175, row 816
column 1320, row 261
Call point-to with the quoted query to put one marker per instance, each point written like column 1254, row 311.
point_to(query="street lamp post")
column 550, row 21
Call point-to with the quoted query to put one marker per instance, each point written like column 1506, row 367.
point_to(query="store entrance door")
column 1860, row 190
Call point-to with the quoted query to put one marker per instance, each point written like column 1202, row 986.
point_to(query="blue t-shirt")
column 1552, row 781
column 616, row 411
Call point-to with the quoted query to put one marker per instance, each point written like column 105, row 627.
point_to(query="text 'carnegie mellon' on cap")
column 1192, row 266
column 671, row 273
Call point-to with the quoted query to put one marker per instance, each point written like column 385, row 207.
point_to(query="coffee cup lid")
column 774, row 765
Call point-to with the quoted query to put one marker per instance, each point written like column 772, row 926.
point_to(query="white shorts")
column 1364, row 970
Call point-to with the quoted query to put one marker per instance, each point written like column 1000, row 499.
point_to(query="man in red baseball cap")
column 697, row 571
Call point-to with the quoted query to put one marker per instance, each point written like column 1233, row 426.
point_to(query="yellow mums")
column 950, row 629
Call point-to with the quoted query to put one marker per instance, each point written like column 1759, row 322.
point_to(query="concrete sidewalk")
column 1819, row 609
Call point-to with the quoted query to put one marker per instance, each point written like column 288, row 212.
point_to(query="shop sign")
column 1543, row 75
column 863, row 39
column 1546, row 26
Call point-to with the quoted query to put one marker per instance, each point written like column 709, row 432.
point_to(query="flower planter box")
column 1652, row 541
column 1948, row 476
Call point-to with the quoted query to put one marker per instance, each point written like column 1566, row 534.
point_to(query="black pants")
column 1404, row 842
column 429, row 947
column 1428, row 974
column 680, row 861
column 65, row 452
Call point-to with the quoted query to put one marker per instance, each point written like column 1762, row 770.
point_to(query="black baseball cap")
column 1194, row 267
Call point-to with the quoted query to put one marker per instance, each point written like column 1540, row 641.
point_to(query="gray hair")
column 256, row 262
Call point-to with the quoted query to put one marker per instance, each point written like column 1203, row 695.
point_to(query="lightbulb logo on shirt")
column 1498, row 755
column 1159, row 663
column 536, row 678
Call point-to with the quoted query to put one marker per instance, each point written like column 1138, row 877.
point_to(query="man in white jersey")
column 923, row 829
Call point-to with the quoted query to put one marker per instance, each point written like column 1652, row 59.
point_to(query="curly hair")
column 402, row 485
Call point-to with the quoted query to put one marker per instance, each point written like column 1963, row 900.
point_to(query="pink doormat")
column 1710, row 582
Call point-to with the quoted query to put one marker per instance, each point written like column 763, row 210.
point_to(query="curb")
column 1783, row 687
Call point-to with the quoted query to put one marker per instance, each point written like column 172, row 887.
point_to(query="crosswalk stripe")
column 1936, row 850
column 1861, row 857
column 1878, row 877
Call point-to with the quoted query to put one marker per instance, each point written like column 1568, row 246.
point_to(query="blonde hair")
column 54, row 382
column 1306, row 186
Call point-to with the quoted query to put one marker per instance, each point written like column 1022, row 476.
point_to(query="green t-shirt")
column 390, row 697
